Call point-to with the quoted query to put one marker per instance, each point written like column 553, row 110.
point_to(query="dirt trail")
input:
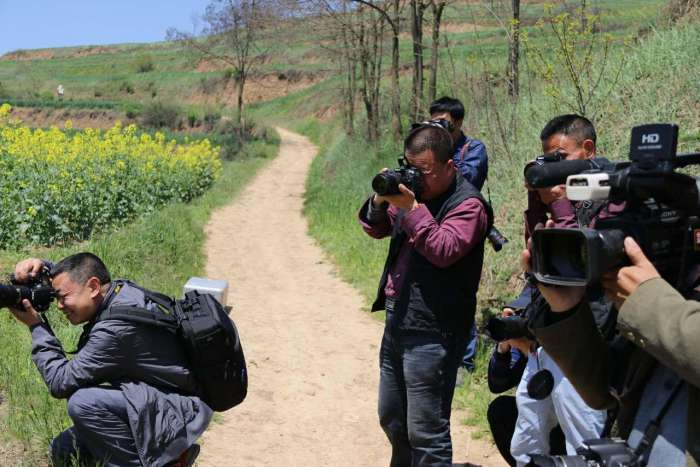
column 311, row 349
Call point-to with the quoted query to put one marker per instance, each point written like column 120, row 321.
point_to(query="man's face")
column 568, row 147
column 456, row 124
column 78, row 302
column 436, row 176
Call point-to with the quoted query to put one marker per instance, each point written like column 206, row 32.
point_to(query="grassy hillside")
column 118, row 75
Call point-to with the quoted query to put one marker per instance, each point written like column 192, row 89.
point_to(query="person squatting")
column 131, row 395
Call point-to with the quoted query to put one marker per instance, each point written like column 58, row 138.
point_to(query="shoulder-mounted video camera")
column 38, row 291
column 661, row 212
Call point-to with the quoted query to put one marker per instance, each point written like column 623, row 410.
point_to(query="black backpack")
column 210, row 339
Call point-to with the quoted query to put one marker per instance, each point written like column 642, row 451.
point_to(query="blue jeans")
column 416, row 385
column 470, row 353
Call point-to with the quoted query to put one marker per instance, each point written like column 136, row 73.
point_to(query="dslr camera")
column 661, row 212
column 38, row 291
column 502, row 328
column 387, row 182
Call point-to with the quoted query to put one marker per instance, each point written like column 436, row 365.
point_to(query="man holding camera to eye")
column 470, row 160
column 131, row 396
column 428, row 289
column 662, row 378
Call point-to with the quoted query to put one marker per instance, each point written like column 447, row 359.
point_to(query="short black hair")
column 448, row 104
column 81, row 267
column 429, row 137
column 576, row 126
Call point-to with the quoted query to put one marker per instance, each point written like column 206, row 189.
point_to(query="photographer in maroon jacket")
column 428, row 289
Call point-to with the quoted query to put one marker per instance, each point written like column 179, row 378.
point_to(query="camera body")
column 502, row 328
column 661, row 208
column 38, row 291
column 608, row 452
column 387, row 182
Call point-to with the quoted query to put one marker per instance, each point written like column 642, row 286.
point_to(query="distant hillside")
column 294, row 61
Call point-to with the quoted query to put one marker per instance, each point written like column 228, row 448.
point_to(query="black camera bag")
column 209, row 337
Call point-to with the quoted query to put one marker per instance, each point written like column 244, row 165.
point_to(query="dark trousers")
column 502, row 415
column 416, row 385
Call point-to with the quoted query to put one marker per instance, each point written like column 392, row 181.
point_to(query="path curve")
column 312, row 351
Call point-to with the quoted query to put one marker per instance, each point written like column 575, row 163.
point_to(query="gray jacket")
column 146, row 363
column 663, row 327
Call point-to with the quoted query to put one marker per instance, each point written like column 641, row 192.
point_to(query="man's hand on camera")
column 551, row 194
column 28, row 269
column 560, row 299
column 622, row 283
column 405, row 200
column 28, row 315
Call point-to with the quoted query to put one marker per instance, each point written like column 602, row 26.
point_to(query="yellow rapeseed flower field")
column 58, row 185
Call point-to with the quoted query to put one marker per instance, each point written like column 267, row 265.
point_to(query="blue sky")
column 33, row 24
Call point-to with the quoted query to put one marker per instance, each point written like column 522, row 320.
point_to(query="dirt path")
column 311, row 350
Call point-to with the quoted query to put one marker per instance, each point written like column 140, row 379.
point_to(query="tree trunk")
column 239, row 117
column 348, row 68
column 395, row 84
column 438, row 8
column 417, row 9
column 514, row 52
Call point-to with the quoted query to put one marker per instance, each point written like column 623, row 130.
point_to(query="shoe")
column 187, row 457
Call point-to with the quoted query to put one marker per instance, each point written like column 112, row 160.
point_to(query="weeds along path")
column 312, row 351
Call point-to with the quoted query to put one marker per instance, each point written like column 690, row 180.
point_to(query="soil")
column 311, row 346
column 45, row 117
column 259, row 88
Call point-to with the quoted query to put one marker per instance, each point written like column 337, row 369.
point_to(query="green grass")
column 160, row 251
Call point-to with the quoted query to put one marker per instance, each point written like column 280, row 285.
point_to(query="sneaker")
column 187, row 457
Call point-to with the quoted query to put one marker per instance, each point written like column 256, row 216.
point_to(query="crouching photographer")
column 507, row 365
column 131, row 396
column 654, row 284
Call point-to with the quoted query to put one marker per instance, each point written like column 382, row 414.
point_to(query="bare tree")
column 391, row 11
column 417, row 10
column 514, row 51
column 232, row 35
column 371, row 39
column 355, row 38
column 437, row 8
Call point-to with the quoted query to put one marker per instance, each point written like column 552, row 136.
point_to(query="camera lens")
column 386, row 183
column 565, row 255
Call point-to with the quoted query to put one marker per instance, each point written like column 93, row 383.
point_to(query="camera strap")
column 652, row 429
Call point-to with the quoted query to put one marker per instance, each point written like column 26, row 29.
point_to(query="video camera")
column 38, row 291
column 593, row 453
column 660, row 213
